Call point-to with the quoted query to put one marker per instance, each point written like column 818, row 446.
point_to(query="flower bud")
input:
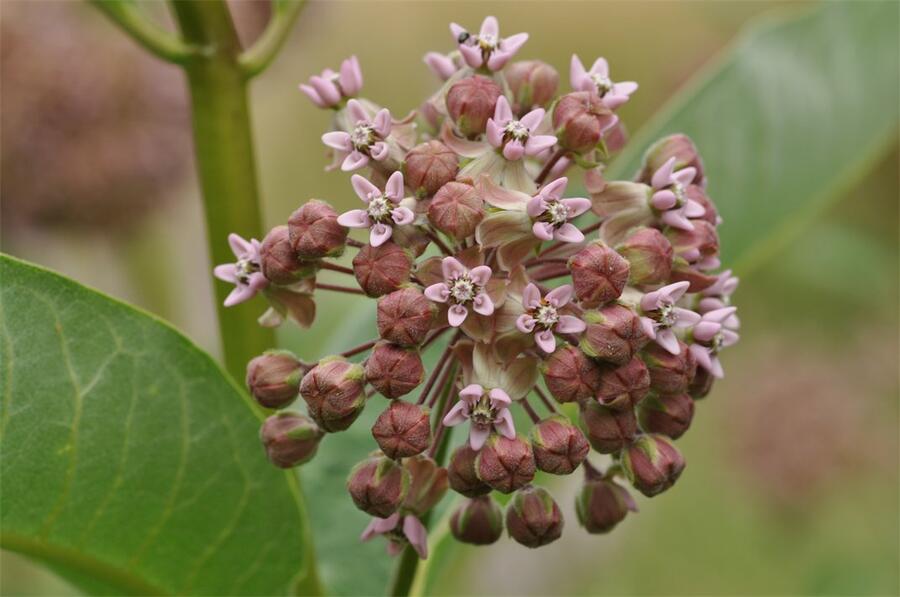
column 599, row 274
column 533, row 84
column 697, row 244
column 456, row 210
column 428, row 167
column 383, row 269
column 402, row 430
column 570, row 375
column 702, row 384
column 280, row 264
column 652, row 464
column 471, row 102
column 394, row 370
column 273, row 378
column 333, row 391
column 608, row 430
column 579, row 119
column 698, row 280
column 462, row 475
column 681, row 147
column 649, row 254
column 669, row 373
column 623, row 387
column 290, row 438
column 405, row 316
column 559, row 446
column 378, row 485
column 613, row 334
column 314, row 232
column 533, row 518
column 479, row 521
column 427, row 485
column 602, row 504
column 505, row 464
column 667, row 414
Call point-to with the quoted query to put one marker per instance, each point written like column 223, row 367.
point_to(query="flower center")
column 482, row 413
column 556, row 213
column 716, row 343
column 362, row 137
column 379, row 208
column 678, row 191
column 665, row 316
column 487, row 43
column 245, row 266
column 463, row 289
column 545, row 315
column 515, row 130
column 603, row 84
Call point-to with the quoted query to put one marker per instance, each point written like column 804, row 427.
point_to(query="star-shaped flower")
column 542, row 316
column 487, row 48
column 485, row 411
column 597, row 81
column 399, row 530
column 661, row 315
column 670, row 197
column 245, row 273
column 462, row 288
column 516, row 136
column 367, row 139
column 383, row 211
column 553, row 213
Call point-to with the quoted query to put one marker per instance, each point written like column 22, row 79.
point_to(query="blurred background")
column 792, row 482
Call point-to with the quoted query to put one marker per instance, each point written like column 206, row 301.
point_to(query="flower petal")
column 456, row 315
column 327, row 90
column 394, row 187
column 559, row 296
column 569, row 324
column 226, row 272
column 663, row 200
column 513, row 150
column 504, row 424
column 313, row 95
column 364, row 188
column 483, row 304
column 477, row 437
column 489, row 27
column 663, row 176
column 685, row 175
column 416, row 535
column 351, row 78
column 499, row 398
column 471, row 393
column 600, row 67
column 357, row 112
column 577, row 73
column 240, row 247
column 525, row 323
column 676, row 219
column 546, row 341
column 480, row 274
column 543, row 230
column 685, row 317
column 354, row 161
column 456, row 415
column 494, row 133
column 355, row 218
column 576, row 206
column 568, row 233
column 532, row 119
column 531, row 296
column 471, row 55
column 379, row 234
column 648, row 327
column 538, row 143
column 502, row 112
column 667, row 339
column 382, row 123
column 452, row 268
column 438, row 293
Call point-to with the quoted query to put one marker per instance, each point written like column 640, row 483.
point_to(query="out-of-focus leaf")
column 130, row 461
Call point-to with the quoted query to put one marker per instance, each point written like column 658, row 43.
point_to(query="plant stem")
column 549, row 165
column 338, row 288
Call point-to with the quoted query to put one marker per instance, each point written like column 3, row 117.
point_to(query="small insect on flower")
column 487, row 48
column 245, row 273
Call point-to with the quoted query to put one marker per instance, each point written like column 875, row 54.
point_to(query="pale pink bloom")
column 597, row 81
column 670, row 198
column 245, row 274
column 661, row 315
column 487, row 48
column 553, row 213
column 399, row 530
column 461, row 288
column 542, row 316
column 711, row 334
column 383, row 211
column 515, row 136
column 367, row 139
column 328, row 89
column 718, row 296
column 441, row 65
column 485, row 411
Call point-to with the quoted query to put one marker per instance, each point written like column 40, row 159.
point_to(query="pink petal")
column 613, row 100
column 364, row 188
column 257, row 281
column 560, row 296
column 313, row 95
column 355, row 218
column 546, row 341
column 354, row 161
column 538, row 143
column 525, row 323
column 438, row 293
column 555, row 189
column 543, row 230
column 472, row 55
column 536, row 206
column 357, row 112
column 504, row 424
column 532, row 119
column 648, row 327
column 693, row 209
column 416, row 534
column 685, row 176
column 440, row 65
column 379, row 151
column 382, row 123
column 240, row 294
column 489, row 27
column 663, row 177
column 351, row 76
column 499, row 398
column 674, row 291
column 394, row 187
column 531, row 296
column 456, row 315
column 456, row 415
column 676, row 219
column 706, row 330
column 480, row 274
column 513, row 150
column 327, row 90
column 380, row 526
column 483, row 304
column 685, row 317
column 568, row 233
column 569, row 324
column 720, row 315
column 452, row 268
column 240, row 247
column 576, row 206
column 456, row 30
column 379, row 234
column 471, row 393
column 716, row 367
column 477, row 436
column 512, row 44
column 625, row 88
column 729, row 338
column 402, row 216
column 577, row 74
column 226, row 272
column 667, row 339
column 701, row 354
column 498, row 59
column 600, row 67
column 663, row 200
column 494, row 133
column 502, row 111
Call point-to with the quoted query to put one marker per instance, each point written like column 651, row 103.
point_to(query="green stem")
column 256, row 58
column 144, row 31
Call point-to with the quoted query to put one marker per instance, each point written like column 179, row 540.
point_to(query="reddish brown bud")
column 667, row 414
column 290, row 438
column 314, row 231
column 471, row 102
column 533, row 517
column 462, row 474
column 479, row 521
column 599, row 274
column 428, row 167
column 333, row 391
column 570, row 375
column 378, row 485
column 649, row 254
column 405, row 316
column 505, row 464
column 383, row 269
column 273, row 378
column 669, row 373
column 533, row 84
column 280, row 264
column 559, row 446
column 681, row 147
column 402, row 430
column 602, row 504
column 394, row 370
column 613, row 334
column 702, row 384
column 608, row 430
column 580, row 118
column 456, row 210
column 428, row 484
column 696, row 244
column 699, row 281
column 624, row 386
column 652, row 464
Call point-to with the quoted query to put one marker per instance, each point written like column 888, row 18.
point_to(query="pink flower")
column 441, row 65
column 245, row 274
column 462, row 287
column 383, row 211
column 367, row 139
column 515, row 136
column 553, row 213
column 597, row 80
column 328, row 89
column 711, row 334
column 542, row 316
column 661, row 315
column 399, row 530
column 487, row 48
column 670, row 197
column 485, row 411
column 718, row 296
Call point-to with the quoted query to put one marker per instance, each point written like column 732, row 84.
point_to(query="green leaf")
column 130, row 461
column 787, row 121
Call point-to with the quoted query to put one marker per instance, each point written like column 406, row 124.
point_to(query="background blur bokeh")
column 792, row 483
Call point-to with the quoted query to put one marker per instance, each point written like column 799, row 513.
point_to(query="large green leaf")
column 130, row 461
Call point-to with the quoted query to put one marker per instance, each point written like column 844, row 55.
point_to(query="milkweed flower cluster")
column 606, row 312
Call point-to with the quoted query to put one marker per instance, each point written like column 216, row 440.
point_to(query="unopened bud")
column 505, row 464
column 462, row 475
column 333, row 391
column 456, row 210
column 471, row 102
column 608, row 430
column 402, row 430
column 702, row 384
column 579, row 119
column 613, row 334
column 290, row 438
column 678, row 146
column 695, row 245
column 383, row 269
column 559, row 446
column 599, row 274
column 394, row 370
column 427, row 486
column 280, row 264
column 683, row 272
column 669, row 373
column 624, row 386
column 533, row 84
column 570, row 375
column 273, row 378
column 479, row 521
column 652, row 464
column 405, row 316
column 378, row 485
column 314, row 231
column 649, row 254
column 667, row 414
column 533, row 517
column 428, row 167
column 602, row 504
